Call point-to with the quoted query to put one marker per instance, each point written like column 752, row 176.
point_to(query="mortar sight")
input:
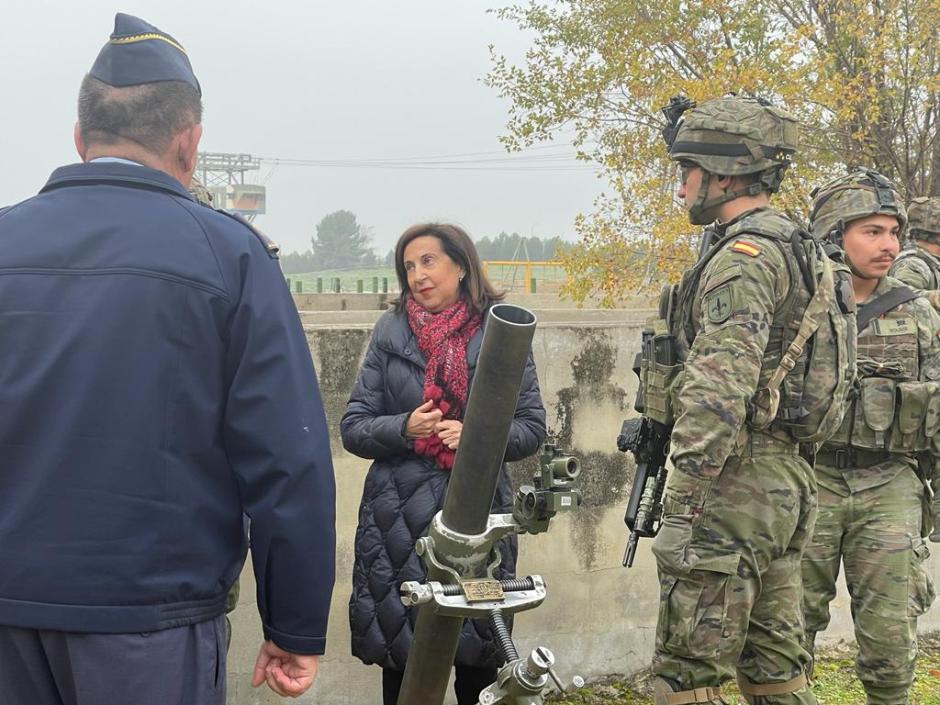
column 557, row 468
column 553, row 490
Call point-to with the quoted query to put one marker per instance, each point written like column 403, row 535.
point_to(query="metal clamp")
column 522, row 681
column 452, row 600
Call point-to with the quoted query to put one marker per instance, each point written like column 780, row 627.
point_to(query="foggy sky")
column 310, row 80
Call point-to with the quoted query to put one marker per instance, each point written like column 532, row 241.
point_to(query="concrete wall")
column 599, row 618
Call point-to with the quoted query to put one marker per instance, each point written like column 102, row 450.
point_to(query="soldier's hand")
column 422, row 421
column 289, row 675
column 449, row 431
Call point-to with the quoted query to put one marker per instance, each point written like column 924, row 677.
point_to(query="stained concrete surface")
column 599, row 618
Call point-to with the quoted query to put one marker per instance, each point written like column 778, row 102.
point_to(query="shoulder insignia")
column 270, row 246
column 746, row 248
column 718, row 304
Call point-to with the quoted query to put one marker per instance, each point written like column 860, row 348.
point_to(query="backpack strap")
column 871, row 310
column 766, row 401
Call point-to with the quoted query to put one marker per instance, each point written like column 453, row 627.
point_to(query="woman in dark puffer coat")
column 405, row 412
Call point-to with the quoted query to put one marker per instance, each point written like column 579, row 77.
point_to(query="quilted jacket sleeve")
column 528, row 425
column 367, row 430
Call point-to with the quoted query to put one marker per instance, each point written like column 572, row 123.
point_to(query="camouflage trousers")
column 875, row 533
column 728, row 555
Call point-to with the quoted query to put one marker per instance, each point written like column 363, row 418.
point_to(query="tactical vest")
column 892, row 411
column 809, row 362
column 932, row 266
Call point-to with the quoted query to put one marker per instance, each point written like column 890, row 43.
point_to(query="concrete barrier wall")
column 599, row 618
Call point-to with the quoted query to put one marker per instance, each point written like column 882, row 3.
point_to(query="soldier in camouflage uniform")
column 918, row 265
column 871, row 486
column 740, row 503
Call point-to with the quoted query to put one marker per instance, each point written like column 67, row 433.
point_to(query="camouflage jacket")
column 900, row 346
column 733, row 311
column 920, row 270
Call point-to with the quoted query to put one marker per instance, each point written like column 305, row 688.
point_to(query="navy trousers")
column 181, row 666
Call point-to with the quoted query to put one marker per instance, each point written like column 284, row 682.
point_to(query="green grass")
column 835, row 684
column 347, row 277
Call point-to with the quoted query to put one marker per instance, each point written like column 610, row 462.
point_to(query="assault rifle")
column 648, row 441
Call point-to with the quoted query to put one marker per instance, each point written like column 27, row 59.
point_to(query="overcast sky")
column 312, row 80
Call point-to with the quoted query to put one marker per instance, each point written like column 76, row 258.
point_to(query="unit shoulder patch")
column 745, row 248
column 718, row 304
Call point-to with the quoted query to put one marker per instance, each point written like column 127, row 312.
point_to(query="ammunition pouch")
column 909, row 433
column 658, row 382
column 891, row 416
column 658, row 368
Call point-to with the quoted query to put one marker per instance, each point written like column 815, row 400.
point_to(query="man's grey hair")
column 149, row 115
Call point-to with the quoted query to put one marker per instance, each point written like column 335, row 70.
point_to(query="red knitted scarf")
column 443, row 338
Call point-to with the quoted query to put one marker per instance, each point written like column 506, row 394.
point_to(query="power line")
column 563, row 161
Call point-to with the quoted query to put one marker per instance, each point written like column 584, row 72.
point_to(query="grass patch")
column 347, row 277
column 835, row 684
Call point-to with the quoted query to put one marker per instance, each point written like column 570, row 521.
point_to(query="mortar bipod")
column 519, row 681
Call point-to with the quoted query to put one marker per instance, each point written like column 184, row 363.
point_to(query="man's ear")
column 187, row 149
column 724, row 181
column 80, row 146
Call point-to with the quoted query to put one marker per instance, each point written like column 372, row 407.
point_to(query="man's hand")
column 287, row 674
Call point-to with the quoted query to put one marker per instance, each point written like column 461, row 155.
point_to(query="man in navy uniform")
column 155, row 385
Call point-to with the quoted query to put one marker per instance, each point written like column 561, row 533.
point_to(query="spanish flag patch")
column 747, row 248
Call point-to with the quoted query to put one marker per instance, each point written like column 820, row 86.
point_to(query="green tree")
column 341, row 242
column 507, row 246
column 297, row 262
column 862, row 75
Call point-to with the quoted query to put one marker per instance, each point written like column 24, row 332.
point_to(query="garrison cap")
column 139, row 53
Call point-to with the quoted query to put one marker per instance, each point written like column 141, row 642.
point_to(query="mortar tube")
column 491, row 406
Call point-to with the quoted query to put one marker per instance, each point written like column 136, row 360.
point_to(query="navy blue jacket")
column 403, row 491
column 155, row 384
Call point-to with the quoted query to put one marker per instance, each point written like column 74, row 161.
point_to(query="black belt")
column 842, row 458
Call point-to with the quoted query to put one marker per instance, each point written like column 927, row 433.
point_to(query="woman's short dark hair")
column 149, row 115
column 457, row 245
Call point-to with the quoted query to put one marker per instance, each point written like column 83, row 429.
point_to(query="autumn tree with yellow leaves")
column 863, row 76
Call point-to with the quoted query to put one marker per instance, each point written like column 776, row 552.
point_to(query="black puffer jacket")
column 403, row 492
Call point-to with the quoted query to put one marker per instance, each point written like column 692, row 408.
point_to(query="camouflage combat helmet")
column 924, row 219
column 856, row 195
column 731, row 136
column 199, row 192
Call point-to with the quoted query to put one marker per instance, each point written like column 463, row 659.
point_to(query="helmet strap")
column 700, row 211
